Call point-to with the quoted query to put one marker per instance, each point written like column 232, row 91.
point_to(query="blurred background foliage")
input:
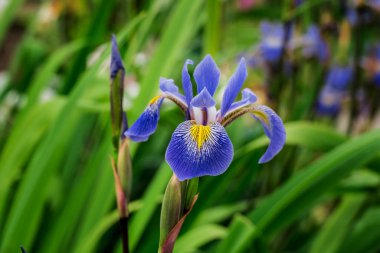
column 316, row 62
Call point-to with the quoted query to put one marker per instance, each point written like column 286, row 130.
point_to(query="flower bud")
column 171, row 208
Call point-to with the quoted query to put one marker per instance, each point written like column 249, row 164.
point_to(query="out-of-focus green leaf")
column 218, row 214
column 365, row 235
column 199, row 236
column 335, row 230
column 240, row 228
column 21, row 145
column 7, row 15
column 305, row 189
column 314, row 136
column 177, row 35
column 149, row 202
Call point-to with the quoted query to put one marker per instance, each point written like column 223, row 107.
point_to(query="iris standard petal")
column 248, row 97
column 116, row 62
column 170, row 90
column 168, row 86
column 203, row 99
column 197, row 150
column 186, row 82
column 146, row 124
column 206, row 74
column 233, row 87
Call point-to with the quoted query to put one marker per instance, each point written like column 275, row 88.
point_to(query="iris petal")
column 233, row 87
column 273, row 128
column 272, row 123
column 197, row 150
column 203, row 99
column 206, row 74
column 168, row 87
column 248, row 97
column 186, row 82
column 147, row 123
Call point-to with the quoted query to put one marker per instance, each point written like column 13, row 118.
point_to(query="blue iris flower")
column 200, row 145
column 272, row 43
column 329, row 101
column 339, row 77
column 314, row 45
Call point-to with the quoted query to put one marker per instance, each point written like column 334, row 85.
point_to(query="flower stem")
column 123, row 223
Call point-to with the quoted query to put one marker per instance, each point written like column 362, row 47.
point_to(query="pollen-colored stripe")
column 154, row 100
column 200, row 134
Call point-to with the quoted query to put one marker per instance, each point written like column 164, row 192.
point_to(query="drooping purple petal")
column 273, row 128
column 146, row 124
column 186, row 82
column 203, row 99
column 168, row 86
column 116, row 62
column 206, row 74
column 197, row 150
column 234, row 85
column 248, row 97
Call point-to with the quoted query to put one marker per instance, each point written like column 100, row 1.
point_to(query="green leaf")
column 177, row 35
column 305, row 188
column 238, row 232
column 365, row 235
column 199, row 236
column 306, row 134
column 338, row 225
column 149, row 202
column 218, row 214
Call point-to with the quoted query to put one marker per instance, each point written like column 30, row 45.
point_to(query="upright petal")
column 197, row 150
column 116, row 62
column 146, row 124
column 186, row 82
column 233, row 87
column 206, row 74
column 203, row 99
column 272, row 123
column 248, row 97
column 170, row 90
column 168, row 86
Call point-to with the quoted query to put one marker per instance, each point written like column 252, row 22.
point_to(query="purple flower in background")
column 272, row 42
column 314, row 45
column 329, row 101
column 339, row 77
column 200, row 145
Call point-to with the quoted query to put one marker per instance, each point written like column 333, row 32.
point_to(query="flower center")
column 204, row 115
column 200, row 134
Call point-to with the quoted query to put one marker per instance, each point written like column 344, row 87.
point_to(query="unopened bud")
column 124, row 167
column 117, row 74
column 171, row 208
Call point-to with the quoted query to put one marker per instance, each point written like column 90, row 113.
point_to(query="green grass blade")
column 338, row 225
column 304, row 189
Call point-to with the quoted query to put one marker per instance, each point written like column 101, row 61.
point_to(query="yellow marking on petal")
column 261, row 115
column 154, row 100
column 200, row 134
